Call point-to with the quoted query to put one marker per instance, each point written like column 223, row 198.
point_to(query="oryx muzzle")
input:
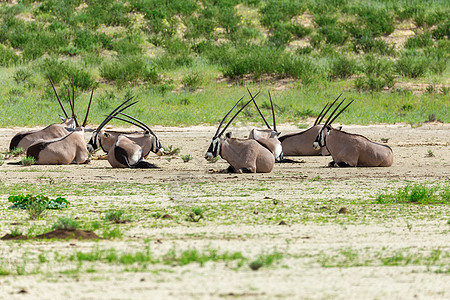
column 351, row 150
column 244, row 155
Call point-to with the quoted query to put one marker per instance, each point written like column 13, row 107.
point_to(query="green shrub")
column 442, row 31
column 116, row 216
column 411, row 64
column 191, row 81
column 65, row 223
column 342, row 67
column 22, row 202
column 419, row 41
column 125, row 69
column 8, row 57
column 280, row 11
column 28, row 161
column 21, row 75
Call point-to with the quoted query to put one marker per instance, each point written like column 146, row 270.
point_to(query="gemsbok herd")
column 64, row 143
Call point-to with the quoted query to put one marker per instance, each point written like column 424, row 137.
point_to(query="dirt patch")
column 62, row 234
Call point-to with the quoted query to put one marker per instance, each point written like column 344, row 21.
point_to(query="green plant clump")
column 65, row 223
column 23, row 202
column 417, row 193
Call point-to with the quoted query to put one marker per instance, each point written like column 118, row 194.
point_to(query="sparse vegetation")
column 186, row 157
column 28, row 161
column 417, row 193
column 65, row 223
column 116, row 216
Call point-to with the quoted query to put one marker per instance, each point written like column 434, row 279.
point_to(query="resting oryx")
column 351, row 150
column 269, row 135
column 244, row 155
column 68, row 149
column 106, row 139
column 126, row 153
column 299, row 144
column 26, row 138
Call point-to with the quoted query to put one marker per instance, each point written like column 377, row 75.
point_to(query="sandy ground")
column 308, row 191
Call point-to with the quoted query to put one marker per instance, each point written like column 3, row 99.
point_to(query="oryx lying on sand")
column 299, row 144
column 126, row 153
column 269, row 135
column 351, row 150
column 243, row 155
column 68, row 149
column 26, row 138
column 106, row 139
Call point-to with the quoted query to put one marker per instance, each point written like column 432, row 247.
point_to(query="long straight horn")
column 130, row 122
column 229, row 122
column 89, row 107
column 108, row 118
column 331, row 115
column 332, row 120
column 325, row 113
column 273, row 113
column 320, row 115
column 257, row 107
column 145, row 127
column 73, row 104
column 220, row 125
column 57, row 97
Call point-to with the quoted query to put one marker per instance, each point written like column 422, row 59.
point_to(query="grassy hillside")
column 187, row 61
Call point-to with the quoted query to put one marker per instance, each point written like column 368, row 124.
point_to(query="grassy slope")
column 30, row 102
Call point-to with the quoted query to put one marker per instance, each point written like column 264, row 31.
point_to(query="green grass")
column 418, row 194
column 177, row 75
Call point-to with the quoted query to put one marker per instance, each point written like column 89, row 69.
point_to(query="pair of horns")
column 115, row 112
column 235, row 115
column 333, row 117
column 262, row 116
column 72, row 103
column 136, row 122
column 321, row 116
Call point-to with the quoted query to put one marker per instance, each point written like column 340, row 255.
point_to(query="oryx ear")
column 228, row 135
column 338, row 128
column 62, row 118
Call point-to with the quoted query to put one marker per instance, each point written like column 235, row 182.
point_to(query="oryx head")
column 320, row 140
column 156, row 148
column 94, row 142
column 214, row 147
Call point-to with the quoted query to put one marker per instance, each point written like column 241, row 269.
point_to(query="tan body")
column 144, row 140
column 299, row 144
column 270, row 137
column 62, row 151
column 125, row 153
column 249, row 155
column 357, row 151
column 26, row 138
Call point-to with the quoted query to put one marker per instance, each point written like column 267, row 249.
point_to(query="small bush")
column 21, row 75
column 411, row 64
column 16, row 232
column 28, row 161
column 35, row 209
column 116, row 216
column 342, row 67
column 186, row 157
column 8, row 57
column 191, row 81
column 65, row 223
column 22, row 202
column 112, row 233
column 419, row 41
column 125, row 69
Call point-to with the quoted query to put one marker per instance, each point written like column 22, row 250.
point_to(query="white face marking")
column 278, row 151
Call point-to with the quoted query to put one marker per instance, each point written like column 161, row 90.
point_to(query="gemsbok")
column 106, row 139
column 269, row 135
column 65, row 150
column 351, row 150
column 126, row 153
column 243, row 155
column 299, row 144
column 25, row 138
